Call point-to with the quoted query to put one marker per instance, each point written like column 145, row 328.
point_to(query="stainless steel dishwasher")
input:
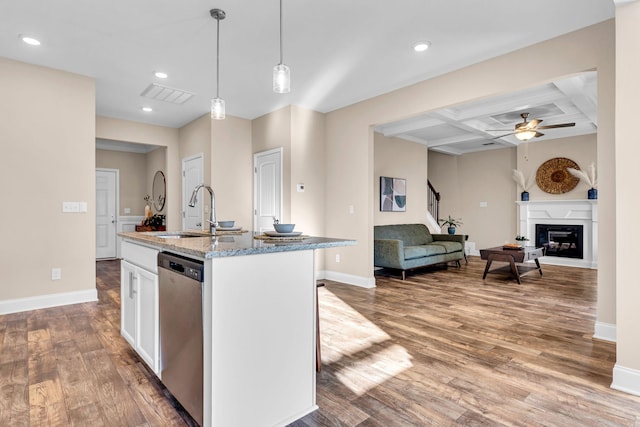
column 181, row 352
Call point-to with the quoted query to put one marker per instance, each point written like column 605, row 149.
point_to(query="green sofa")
column 408, row 246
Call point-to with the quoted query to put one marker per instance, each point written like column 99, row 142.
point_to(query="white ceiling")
column 340, row 52
column 469, row 127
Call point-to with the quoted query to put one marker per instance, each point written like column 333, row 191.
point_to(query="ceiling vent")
column 166, row 94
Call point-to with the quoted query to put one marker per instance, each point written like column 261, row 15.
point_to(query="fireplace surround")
column 564, row 217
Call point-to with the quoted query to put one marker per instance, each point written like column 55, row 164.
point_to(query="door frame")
column 256, row 156
column 185, row 194
column 117, row 205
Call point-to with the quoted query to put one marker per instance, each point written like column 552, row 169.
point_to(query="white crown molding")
column 623, row 2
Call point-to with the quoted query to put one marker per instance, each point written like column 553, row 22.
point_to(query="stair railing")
column 433, row 200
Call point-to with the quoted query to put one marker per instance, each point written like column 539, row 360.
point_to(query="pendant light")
column 217, row 103
column 281, row 73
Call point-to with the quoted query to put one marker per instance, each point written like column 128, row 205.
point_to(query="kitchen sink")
column 179, row 235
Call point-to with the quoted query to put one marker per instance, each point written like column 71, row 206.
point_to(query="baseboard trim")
column 349, row 279
column 626, row 380
column 46, row 301
column 605, row 331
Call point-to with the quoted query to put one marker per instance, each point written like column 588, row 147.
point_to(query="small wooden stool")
column 318, row 351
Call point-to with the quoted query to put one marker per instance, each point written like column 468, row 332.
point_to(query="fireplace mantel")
column 569, row 212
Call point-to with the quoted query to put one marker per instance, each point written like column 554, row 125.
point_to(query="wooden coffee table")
column 515, row 258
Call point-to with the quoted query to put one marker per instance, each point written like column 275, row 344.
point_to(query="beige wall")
column 47, row 157
column 155, row 161
column 133, row 177
column 580, row 149
column 307, row 167
column 626, row 175
column 195, row 139
column 124, row 130
column 272, row 131
column 300, row 133
column 350, row 139
column 397, row 158
column 464, row 182
column 444, row 176
column 232, row 170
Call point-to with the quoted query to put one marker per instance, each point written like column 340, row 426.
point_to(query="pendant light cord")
column 218, row 58
column 280, row 31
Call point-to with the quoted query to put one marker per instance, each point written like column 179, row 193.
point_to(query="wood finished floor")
column 440, row 348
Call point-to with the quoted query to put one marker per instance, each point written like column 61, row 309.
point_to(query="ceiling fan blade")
column 561, row 125
column 538, row 135
column 498, row 130
column 533, row 123
column 502, row 136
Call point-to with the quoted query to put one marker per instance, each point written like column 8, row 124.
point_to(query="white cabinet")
column 139, row 308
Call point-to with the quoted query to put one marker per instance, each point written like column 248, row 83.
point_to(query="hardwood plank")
column 46, row 403
column 441, row 348
column 14, row 396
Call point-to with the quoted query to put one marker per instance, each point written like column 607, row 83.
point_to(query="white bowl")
column 226, row 224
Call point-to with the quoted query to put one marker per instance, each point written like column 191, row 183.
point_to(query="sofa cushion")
column 421, row 251
column 410, row 234
column 449, row 247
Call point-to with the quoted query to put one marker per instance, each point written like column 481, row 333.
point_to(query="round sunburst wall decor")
column 552, row 176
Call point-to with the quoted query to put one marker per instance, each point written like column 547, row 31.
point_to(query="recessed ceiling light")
column 421, row 46
column 160, row 75
column 29, row 40
column 147, row 109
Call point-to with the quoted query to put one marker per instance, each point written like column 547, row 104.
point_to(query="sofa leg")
column 458, row 263
column 403, row 274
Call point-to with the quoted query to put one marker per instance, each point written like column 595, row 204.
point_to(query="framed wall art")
column 393, row 194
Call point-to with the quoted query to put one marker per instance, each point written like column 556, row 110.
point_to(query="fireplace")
column 560, row 240
column 576, row 247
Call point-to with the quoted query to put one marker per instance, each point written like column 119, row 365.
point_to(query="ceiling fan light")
column 217, row 109
column 526, row 135
column 281, row 79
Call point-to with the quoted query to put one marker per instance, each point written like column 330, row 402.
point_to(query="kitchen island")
column 258, row 320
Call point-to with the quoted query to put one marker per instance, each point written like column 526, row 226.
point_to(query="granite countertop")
column 224, row 244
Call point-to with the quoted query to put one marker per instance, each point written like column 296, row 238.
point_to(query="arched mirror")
column 159, row 191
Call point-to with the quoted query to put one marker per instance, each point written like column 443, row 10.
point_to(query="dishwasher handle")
column 176, row 267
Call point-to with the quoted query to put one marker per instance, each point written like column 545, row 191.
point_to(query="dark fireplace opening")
column 560, row 240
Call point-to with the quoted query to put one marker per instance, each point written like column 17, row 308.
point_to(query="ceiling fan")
column 526, row 130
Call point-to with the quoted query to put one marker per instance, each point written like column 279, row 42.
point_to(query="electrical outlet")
column 337, row 257
column 56, row 273
column 351, row 209
column 127, row 210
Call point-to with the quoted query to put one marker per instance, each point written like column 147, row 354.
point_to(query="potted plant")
column 522, row 240
column 525, row 184
column 589, row 177
column 451, row 224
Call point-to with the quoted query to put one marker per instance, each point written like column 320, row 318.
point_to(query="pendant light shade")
column 281, row 73
column 217, row 109
column 281, row 79
column 217, row 104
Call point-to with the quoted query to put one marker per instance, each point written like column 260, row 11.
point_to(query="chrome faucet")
column 213, row 223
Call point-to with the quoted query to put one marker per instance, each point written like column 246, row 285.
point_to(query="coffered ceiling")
column 469, row 127
column 340, row 52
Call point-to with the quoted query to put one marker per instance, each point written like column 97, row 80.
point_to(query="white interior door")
column 267, row 198
column 192, row 176
column 106, row 212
